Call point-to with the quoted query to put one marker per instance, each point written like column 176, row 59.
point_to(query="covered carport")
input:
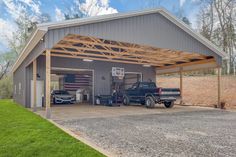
column 153, row 42
column 91, row 48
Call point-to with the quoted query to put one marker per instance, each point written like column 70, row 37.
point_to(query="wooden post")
column 219, row 86
column 181, row 84
column 48, row 84
column 35, row 84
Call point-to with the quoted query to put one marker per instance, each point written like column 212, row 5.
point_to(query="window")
column 147, row 85
column 60, row 92
column 135, row 86
column 152, row 85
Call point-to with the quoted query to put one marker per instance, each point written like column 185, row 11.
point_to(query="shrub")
column 6, row 88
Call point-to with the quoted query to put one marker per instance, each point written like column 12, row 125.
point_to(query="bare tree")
column 217, row 23
column 6, row 61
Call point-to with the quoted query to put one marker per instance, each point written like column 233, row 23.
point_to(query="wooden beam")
column 101, row 59
column 191, row 70
column 212, row 60
column 109, row 57
column 123, row 45
column 157, row 54
column 144, row 55
column 167, row 58
column 34, row 84
column 219, row 86
column 181, row 84
column 48, row 84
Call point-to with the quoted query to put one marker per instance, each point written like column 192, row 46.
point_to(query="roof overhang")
column 43, row 28
column 34, row 39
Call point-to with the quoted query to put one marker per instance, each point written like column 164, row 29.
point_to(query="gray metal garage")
column 149, row 43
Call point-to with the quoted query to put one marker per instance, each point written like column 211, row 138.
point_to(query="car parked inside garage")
column 62, row 97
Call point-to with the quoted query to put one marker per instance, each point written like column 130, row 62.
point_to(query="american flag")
column 73, row 82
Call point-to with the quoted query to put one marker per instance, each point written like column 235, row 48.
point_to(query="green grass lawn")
column 24, row 134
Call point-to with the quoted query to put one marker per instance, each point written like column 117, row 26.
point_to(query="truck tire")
column 169, row 104
column 126, row 100
column 150, row 103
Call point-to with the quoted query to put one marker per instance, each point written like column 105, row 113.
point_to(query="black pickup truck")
column 147, row 93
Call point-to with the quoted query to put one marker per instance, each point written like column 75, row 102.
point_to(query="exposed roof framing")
column 85, row 47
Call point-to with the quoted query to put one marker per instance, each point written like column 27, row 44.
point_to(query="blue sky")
column 189, row 7
column 55, row 8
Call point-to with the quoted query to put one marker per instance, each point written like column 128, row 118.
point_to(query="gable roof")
column 42, row 29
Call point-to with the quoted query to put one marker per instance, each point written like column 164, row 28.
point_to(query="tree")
column 186, row 20
column 25, row 16
column 6, row 91
column 6, row 61
column 74, row 11
column 217, row 22
column 25, row 25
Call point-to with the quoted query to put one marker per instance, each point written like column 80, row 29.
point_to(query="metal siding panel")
column 21, row 75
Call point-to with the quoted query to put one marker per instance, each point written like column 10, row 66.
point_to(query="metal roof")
column 42, row 29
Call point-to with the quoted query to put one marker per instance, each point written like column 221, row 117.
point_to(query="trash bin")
column 86, row 95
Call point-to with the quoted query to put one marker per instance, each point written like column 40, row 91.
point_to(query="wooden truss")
column 85, row 47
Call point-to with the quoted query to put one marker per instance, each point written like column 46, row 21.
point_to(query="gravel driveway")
column 195, row 133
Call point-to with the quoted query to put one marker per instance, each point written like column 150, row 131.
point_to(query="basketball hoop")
column 118, row 72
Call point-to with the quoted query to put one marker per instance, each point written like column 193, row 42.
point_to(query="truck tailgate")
column 170, row 93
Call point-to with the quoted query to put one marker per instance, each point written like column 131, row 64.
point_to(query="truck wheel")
column 126, row 100
column 150, row 103
column 169, row 104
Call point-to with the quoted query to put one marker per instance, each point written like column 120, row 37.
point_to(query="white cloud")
column 6, row 31
column 96, row 7
column 181, row 2
column 34, row 5
column 16, row 9
column 105, row 3
column 59, row 15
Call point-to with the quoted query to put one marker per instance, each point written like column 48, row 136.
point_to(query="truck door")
column 147, row 87
column 133, row 92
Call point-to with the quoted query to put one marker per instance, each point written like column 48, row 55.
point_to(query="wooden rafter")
column 124, row 55
column 84, row 47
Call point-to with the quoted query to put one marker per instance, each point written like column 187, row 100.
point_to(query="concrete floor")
column 80, row 111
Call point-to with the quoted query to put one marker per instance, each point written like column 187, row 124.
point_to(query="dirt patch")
column 202, row 90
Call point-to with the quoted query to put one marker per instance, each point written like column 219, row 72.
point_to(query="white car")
column 62, row 97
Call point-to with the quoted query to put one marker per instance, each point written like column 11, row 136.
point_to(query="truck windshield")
column 62, row 92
